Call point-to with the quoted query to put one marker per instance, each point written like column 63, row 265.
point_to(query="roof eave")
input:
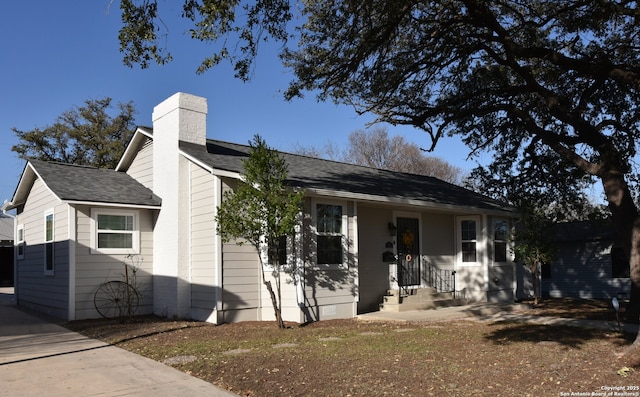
column 410, row 202
column 132, row 148
column 115, row 205
column 29, row 175
column 210, row 169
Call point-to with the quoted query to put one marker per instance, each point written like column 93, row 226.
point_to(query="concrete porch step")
column 418, row 299
column 413, row 291
column 422, row 305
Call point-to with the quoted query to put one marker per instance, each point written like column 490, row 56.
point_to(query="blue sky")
column 57, row 54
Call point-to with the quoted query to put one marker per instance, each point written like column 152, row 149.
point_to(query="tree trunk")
column 627, row 227
column 633, row 309
column 274, row 301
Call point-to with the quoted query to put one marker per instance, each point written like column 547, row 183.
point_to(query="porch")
column 420, row 285
column 425, row 259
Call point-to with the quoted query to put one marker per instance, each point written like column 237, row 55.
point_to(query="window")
column 20, row 242
column 500, row 241
column 329, row 224
column 619, row 263
column 468, row 239
column 48, row 242
column 115, row 232
column 279, row 251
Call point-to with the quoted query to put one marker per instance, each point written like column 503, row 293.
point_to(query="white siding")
column 329, row 293
column 241, row 282
column 241, row 279
column 48, row 294
column 373, row 272
column 203, row 243
column 141, row 168
column 92, row 269
column 438, row 240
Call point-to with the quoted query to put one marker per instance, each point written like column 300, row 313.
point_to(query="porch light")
column 392, row 229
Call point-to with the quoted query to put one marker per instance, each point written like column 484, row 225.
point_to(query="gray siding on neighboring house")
column 141, row 168
column 582, row 269
column 92, row 269
column 6, row 250
column 46, row 293
column 203, row 242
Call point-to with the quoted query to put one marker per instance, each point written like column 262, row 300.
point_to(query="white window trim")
column 135, row 249
column 20, row 241
column 344, row 234
column 47, row 213
column 478, row 240
column 285, row 268
column 507, row 241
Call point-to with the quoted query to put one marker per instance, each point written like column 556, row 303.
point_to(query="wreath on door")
column 408, row 238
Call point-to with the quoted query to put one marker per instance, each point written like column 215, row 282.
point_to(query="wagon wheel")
column 116, row 299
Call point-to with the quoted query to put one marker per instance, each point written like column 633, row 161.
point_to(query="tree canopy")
column 84, row 135
column 525, row 80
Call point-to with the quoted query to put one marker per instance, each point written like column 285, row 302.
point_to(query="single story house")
column 362, row 232
column 589, row 263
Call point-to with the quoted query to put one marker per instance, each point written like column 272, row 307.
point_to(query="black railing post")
column 453, row 275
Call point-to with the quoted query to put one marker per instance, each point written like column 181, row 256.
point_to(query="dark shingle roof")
column 80, row 183
column 309, row 172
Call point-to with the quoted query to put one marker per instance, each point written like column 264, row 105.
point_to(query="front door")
column 408, row 252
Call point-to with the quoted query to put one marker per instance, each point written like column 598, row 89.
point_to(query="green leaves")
column 138, row 39
column 227, row 24
column 262, row 208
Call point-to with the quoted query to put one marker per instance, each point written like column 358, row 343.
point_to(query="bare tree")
column 330, row 151
column 376, row 149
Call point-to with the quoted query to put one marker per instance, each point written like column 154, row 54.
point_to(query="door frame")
column 418, row 217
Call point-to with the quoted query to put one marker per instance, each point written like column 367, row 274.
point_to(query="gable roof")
column 349, row 180
column 83, row 184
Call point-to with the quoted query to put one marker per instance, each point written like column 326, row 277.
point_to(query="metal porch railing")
column 443, row 280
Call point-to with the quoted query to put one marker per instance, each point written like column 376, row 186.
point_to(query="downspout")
column 73, row 222
column 15, row 257
column 298, row 259
column 218, row 264
column 484, row 233
column 356, row 256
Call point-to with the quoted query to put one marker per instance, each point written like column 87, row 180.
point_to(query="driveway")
column 40, row 358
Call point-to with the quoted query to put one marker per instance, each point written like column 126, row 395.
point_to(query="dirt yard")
column 355, row 358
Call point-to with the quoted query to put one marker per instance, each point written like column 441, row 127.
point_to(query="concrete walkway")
column 492, row 312
column 40, row 358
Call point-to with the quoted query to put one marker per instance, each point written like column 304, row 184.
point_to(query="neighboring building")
column 589, row 263
column 6, row 251
column 79, row 225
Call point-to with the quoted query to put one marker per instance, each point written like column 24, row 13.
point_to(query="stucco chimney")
column 182, row 117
